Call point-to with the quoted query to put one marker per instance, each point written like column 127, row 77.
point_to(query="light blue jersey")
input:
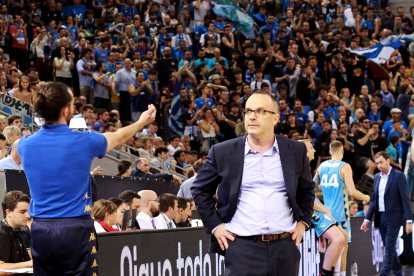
column 334, row 193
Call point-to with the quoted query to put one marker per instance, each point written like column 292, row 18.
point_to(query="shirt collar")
column 248, row 149
column 388, row 173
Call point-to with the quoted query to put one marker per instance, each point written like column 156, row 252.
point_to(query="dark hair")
column 50, row 100
column 101, row 111
column 182, row 202
column 381, row 153
column 98, row 66
column 361, row 120
column 116, row 200
column 166, row 201
column 85, row 107
column 173, row 137
column 177, row 154
column 394, row 139
column 123, row 166
column 160, row 150
column 86, row 51
column 2, row 137
column 11, row 119
column 11, row 199
column 128, row 196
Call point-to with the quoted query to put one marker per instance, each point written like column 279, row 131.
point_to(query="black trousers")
column 64, row 247
column 125, row 106
column 257, row 258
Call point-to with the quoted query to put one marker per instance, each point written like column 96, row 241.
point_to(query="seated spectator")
column 124, row 168
column 121, row 208
column 11, row 162
column 149, row 209
column 173, row 146
column 143, row 170
column 159, row 161
column 14, row 249
column 12, row 134
column 353, row 208
column 104, row 213
column 3, row 150
column 179, row 158
column 168, row 211
column 151, row 130
column 183, row 213
column 15, row 120
column 146, row 150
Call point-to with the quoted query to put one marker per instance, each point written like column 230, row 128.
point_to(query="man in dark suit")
column 143, row 170
column 391, row 208
column 265, row 195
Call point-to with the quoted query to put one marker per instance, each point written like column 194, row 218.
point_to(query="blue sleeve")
column 98, row 144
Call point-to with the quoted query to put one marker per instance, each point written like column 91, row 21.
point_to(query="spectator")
column 168, row 205
column 85, row 67
column 149, row 209
column 11, row 162
column 102, row 78
column 104, row 213
column 124, row 168
column 184, row 212
column 63, row 64
column 15, row 249
column 143, row 170
column 12, row 134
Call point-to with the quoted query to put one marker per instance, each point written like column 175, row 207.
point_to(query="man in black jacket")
column 14, row 245
column 143, row 170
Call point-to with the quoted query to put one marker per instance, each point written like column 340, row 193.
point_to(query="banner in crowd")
column 105, row 186
column 13, row 106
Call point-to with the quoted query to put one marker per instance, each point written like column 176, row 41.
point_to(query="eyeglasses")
column 260, row 112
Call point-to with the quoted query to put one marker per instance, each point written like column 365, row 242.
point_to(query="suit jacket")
column 224, row 170
column 396, row 200
column 139, row 173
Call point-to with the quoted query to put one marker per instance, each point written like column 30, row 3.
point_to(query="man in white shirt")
column 169, row 209
column 11, row 162
column 149, row 209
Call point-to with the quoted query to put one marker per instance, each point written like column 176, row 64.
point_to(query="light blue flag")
column 378, row 53
column 242, row 21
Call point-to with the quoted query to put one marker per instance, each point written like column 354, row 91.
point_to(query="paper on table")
column 18, row 270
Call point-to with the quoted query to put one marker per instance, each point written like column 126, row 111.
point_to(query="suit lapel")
column 287, row 159
column 390, row 177
column 236, row 154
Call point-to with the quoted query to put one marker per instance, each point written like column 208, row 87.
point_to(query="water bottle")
column 354, row 269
